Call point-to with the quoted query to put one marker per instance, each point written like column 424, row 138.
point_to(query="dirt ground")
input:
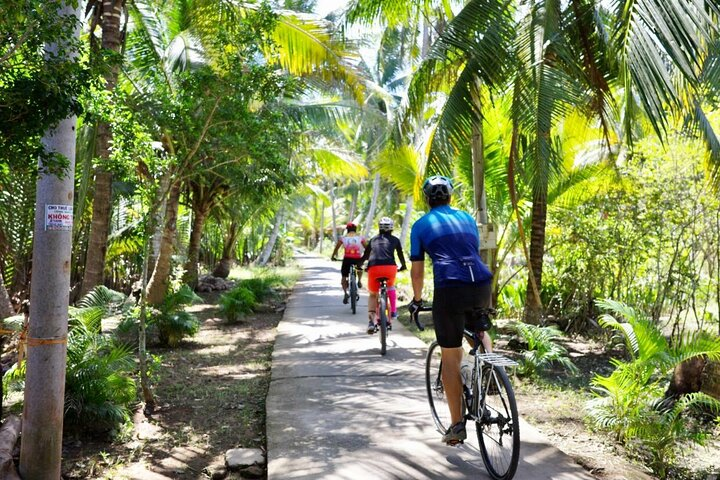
column 211, row 397
column 211, row 394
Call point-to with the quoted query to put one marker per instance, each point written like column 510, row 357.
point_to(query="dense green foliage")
column 172, row 321
column 245, row 297
column 36, row 90
column 99, row 386
column 631, row 401
column 542, row 349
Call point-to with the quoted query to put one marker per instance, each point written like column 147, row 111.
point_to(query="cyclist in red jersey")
column 354, row 246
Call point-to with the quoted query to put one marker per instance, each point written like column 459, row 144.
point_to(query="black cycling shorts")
column 452, row 311
column 346, row 264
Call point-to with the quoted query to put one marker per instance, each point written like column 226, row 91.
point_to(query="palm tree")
column 562, row 57
column 108, row 13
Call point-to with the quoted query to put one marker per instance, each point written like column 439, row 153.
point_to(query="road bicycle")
column 354, row 297
column 352, row 286
column 488, row 399
column 382, row 313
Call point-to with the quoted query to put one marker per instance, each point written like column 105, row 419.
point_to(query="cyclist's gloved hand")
column 334, row 259
column 402, row 267
column 414, row 307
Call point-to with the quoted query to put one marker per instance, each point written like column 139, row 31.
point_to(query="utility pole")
column 41, row 445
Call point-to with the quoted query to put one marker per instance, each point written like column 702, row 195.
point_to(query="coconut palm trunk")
column 191, row 266
column 158, row 214
column 270, row 245
column 409, row 206
column 41, row 447
column 533, row 305
column 373, row 204
column 158, row 284
column 102, row 198
column 6, row 309
column 222, row 269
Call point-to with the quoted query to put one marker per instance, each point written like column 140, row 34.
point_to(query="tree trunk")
column 102, row 198
column 409, row 205
column 270, row 245
column 353, row 205
column 332, row 211
column 533, row 304
column 9, row 434
column 321, row 230
column 222, row 269
column 158, row 284
column 6, row 308
column 373, row 205
column 478, row 170
column 41, row 448
column 191, row 266
column 695, row 375
column 158, row 221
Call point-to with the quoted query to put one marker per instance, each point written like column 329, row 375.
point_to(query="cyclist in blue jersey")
column 462, row 284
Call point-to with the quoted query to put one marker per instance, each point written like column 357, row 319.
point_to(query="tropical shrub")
column 172, row 321
column 99, row 388
column 630, row 402
column 542, row 349
column 244, row 298
column 237, row 302
column 262, row 286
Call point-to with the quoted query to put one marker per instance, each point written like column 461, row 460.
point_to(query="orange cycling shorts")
column 379, row 271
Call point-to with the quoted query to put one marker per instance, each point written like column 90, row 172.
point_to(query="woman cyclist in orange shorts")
column 380, row 254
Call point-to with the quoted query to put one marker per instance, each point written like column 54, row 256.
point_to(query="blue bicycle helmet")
column 438, row 187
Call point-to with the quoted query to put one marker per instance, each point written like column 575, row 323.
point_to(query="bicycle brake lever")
column 419, row 325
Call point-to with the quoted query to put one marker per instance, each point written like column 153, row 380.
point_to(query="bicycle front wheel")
column 383, row 323
column 498, row 427
column 435, row 389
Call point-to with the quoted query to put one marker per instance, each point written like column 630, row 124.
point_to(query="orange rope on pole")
column 36, row 342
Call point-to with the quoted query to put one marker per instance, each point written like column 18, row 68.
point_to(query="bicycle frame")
column 381, row 314
column 488, row 401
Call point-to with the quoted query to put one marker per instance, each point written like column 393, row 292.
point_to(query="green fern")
column 542, row 350
column 237, row 302
column 172, row 321
column 630, row 401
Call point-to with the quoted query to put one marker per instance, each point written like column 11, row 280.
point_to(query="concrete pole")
column 41, row 446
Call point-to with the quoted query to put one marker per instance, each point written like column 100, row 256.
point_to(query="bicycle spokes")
column 498, row 431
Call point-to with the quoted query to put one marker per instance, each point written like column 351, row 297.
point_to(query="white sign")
column 488, row 236
column 59, row 217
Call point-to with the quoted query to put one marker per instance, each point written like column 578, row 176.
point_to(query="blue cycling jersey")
column 451, row 238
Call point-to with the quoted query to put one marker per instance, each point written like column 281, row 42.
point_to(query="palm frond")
column 400, row 165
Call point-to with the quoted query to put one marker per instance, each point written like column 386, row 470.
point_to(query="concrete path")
column 337, row 409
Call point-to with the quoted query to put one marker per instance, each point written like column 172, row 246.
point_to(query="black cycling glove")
column 414, row 307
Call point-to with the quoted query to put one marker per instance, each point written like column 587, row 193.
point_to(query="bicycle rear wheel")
column 353, row 290
column 435, row 389
column 498, row 427
column 382, row 324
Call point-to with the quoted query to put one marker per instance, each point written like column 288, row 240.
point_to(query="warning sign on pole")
column 58, row 217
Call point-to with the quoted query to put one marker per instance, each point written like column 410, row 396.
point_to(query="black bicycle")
column 352, row 286
column 488, row 399
column 382, row 313
column 354, row 297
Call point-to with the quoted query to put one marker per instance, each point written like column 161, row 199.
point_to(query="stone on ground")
column 238, row 458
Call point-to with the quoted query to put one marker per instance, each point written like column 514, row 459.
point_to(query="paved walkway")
column 336, row 409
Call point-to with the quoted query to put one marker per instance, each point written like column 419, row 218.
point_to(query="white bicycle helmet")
column 438, row 187
column 386, row 224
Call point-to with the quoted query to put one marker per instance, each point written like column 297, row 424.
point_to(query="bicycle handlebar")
column 416, row 317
